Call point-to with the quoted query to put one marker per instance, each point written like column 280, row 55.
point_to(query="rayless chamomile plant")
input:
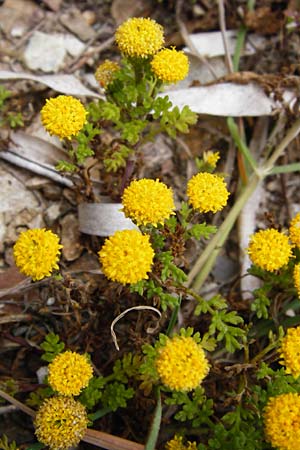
column 231, row 381
column 131, row 113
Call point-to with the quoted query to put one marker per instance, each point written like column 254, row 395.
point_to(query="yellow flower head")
column 181, row 363
column 211, row 158
column 170, row 65
column 105, row 72
column 61, row 422
column 296, row 277
column 269, row 249
column 295, row 230
column 126, row 256
column 140, row 37
column 37, row 252
column 148, row 202
column 63, row 116
column 207, row 192
column 282, row 421
column 290, row 351
column 69, row 373
column 177, row 444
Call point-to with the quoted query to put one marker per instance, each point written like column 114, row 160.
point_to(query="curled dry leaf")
column 66, row 84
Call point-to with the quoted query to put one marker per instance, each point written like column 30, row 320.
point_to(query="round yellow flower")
column 296, row 277
column 61, row 422
column 148, row 202
column 290, row 351
column 126, row 256
column 170, row 65
column 63, row 116
column 295, row 230
column 105, row 72
column 207, row 192
column 181, row 363
column 69, row 373
column 269, row 249
column 140, row 37
column 37, row 252
column 282, row 421
column 177, row 444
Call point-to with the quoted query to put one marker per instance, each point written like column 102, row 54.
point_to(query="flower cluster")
column 143, row 38
column 290, row 351
column 139, row 37
column 36, row 253
column 170, row 65
column 69, row 373
column 63, row 116
column 147, row 201
column 282, row 421
column 269, row 249
column 296, row 278
column 211, row 158
column 295, row 230
column 105, row 72
column 181, row 363
column 177, row 444
column 127, row 256
column 207, row 192
column 61, row 422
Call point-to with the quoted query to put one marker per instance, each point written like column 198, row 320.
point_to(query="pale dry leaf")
column 210, row 44
column 37, row 155
column 102, row 219
column 65, row 84
column 229, row 99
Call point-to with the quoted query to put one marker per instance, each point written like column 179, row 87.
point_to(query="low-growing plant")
column 221, row 376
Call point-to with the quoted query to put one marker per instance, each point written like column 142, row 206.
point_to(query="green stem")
column 173, row 318
column 287, row 168
column 155, row 426
column 100, row 413
column 241, row 36
column 290, row 135
column 234, row 131
column 264, row 351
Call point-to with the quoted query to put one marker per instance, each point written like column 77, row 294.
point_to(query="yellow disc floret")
column 177, row 444
column 282, row 421
column 170, row 65
column 63, row 116
column 207, row 192
column 269, row 249
column 69, row 373
column 105, row 72
column 290, row 351
column 61, row 422
column 295, row 230
column 37, row 252
column 140, row 37
column 148, row 202
column 127, row 256
column 296, row 278
column 181, row 363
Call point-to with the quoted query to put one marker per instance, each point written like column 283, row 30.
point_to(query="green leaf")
column 65, row 166
column 115, row 395
column 36, row 398
column 91, row 395
column 200, row 230
column 5, row 445
column 131, row 131
column 51, row 346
